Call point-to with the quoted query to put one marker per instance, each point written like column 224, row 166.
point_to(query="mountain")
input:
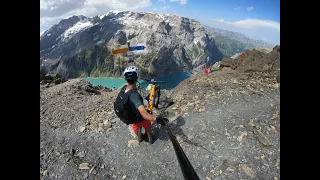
column 230, row 37
column 254, row 60
column 81, row 46
column 230, row 47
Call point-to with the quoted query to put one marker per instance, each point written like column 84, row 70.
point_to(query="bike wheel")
column 157, row 98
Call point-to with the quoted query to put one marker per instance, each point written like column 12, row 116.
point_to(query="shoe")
column 140, row 136
column 150, row 141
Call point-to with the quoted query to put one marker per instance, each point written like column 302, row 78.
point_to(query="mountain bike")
column 154, row 94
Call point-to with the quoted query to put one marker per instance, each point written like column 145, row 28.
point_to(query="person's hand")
column 161, row 120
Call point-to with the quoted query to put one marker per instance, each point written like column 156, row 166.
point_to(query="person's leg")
column 149, row 134
column 147, row 126
column 135, row 128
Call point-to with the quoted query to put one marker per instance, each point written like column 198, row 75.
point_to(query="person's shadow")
column 161, row 133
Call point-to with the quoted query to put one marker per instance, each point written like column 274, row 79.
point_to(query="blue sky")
column 258, row 19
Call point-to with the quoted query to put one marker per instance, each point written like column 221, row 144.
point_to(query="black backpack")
column 122, row 107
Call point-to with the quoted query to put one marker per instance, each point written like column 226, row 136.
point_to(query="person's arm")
column 145, row 114
column 135, row 99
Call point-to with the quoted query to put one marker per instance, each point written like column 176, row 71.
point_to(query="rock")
column 84, row 166
column 203, row 109
column 133, row 143
column 81, row 154
column 277, row 163
column 124, row 177
column 274, row 116
column 199, row 109
column 198, row 101
column 262, row 138
column 278, row 78
column 100, row 129
column 241, row 137
column 273, row 128
column 230, row 169
column 247, row 170
column 238, row 126
column 81, row 129
column 251, row 123
column 45, row 172
column 228, row 63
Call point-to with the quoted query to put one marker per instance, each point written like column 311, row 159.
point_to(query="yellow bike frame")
column 151, row 100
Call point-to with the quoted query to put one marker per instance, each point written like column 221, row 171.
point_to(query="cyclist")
column 140, row 117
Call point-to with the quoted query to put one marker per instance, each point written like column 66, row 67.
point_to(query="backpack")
column 122, row 107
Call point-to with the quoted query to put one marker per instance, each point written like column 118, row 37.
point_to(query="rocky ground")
column 227, row 122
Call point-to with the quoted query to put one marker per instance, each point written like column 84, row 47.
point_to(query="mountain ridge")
column 250, row 42
column 80, row 46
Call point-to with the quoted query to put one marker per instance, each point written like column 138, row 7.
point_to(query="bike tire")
column 157, row 98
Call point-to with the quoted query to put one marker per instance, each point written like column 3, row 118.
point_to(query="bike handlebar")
column 153, row 81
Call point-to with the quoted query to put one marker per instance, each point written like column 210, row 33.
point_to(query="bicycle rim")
column 157, row 98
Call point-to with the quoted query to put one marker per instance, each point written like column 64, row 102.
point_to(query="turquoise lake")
column 172, row 81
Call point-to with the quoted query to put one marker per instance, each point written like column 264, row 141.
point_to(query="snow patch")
column 161, row 17
column 196, row 40
column 114, row 12
column 79, row 26
column 42, row 32
column 130, row 19
column 100, row 42
column 170, row 23
column 102, row 16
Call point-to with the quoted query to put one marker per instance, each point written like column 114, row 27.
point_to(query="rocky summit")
column 227, row 122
